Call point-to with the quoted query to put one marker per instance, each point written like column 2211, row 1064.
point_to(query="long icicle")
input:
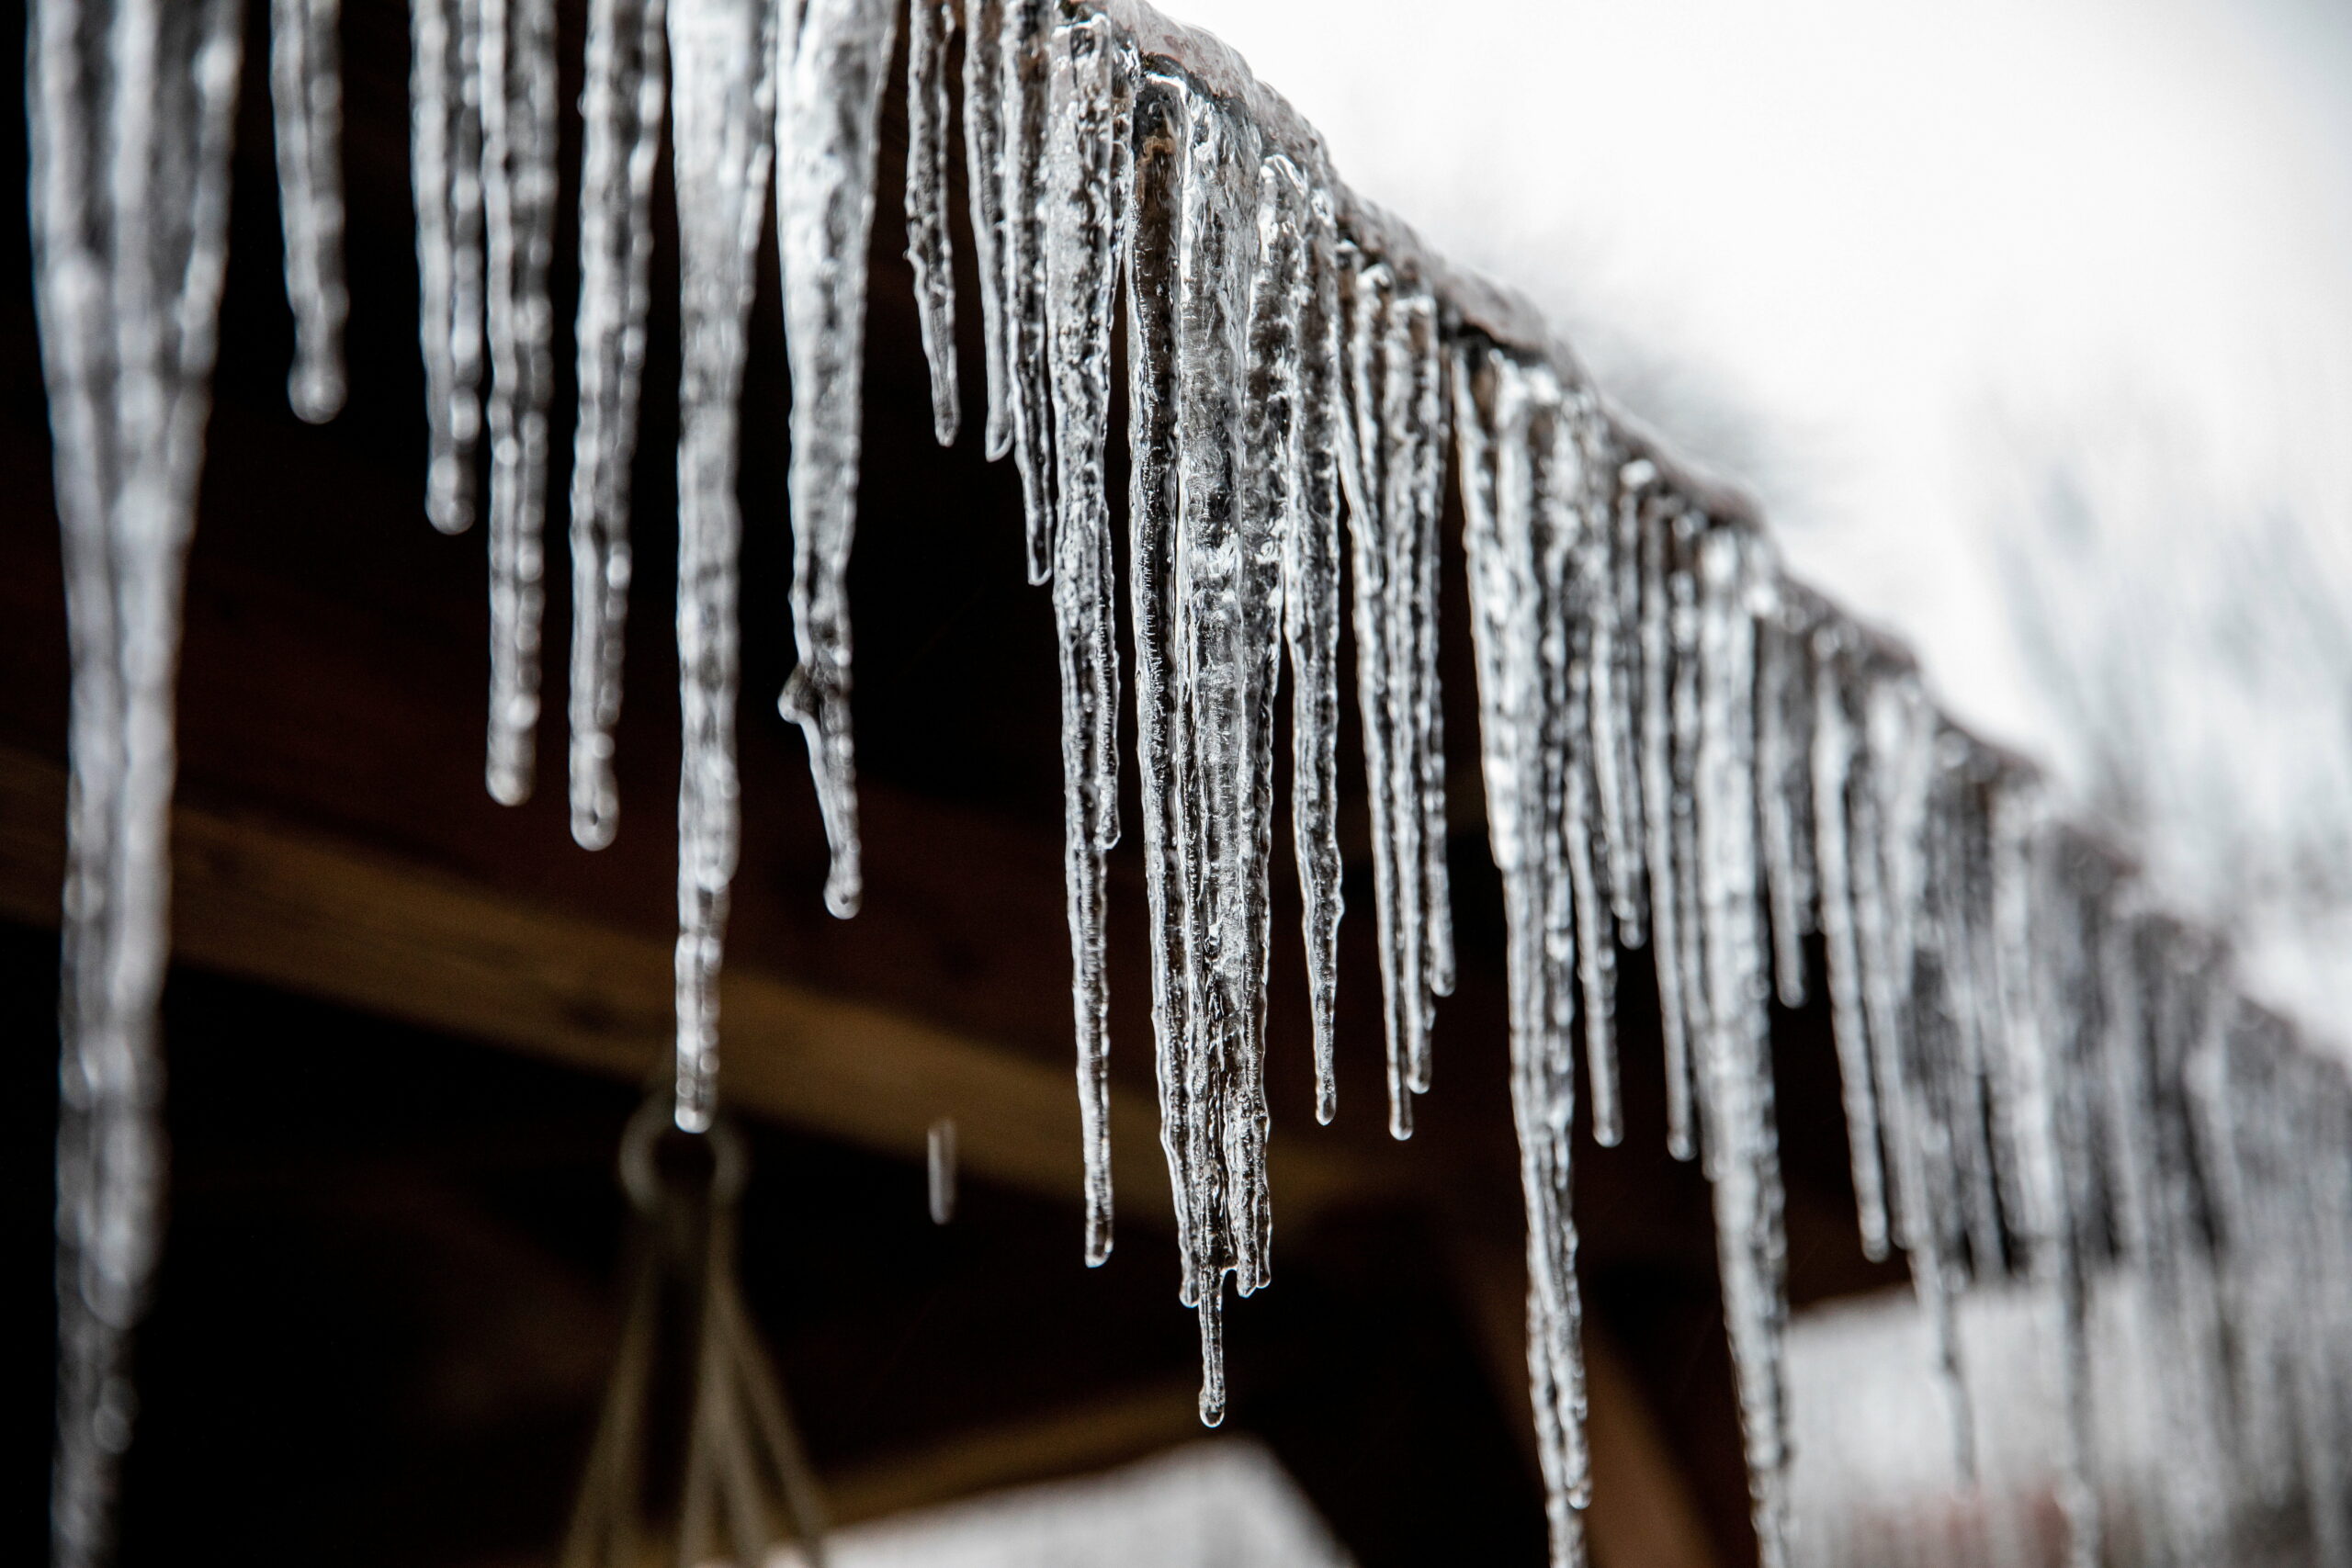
column 722, row 56
column 1311, row 607
column 518, row 184
column 826, row 136
column 621, row 106
column 1505, row 458
column 1083, row 212
column 131, row 106
column 306, row 103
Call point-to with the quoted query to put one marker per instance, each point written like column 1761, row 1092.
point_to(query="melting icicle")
column 1299, row 215
column 824, row 211
column 131, row 114
column 1394, row 433
column 931, row 25
column 621, row 106
column 1503, row 415
column 306, row 98
column 445, row 149
column 1082, row 216
column 518, row 157
column 723, row 110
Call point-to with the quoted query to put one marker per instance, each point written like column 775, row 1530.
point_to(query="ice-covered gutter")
column 2044, row 1075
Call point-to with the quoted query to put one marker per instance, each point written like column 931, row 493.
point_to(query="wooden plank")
column 302, row 913
column 1072, row 1440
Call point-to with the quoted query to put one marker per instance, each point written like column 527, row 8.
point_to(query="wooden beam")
column 1072, row 1440
column 288, row 908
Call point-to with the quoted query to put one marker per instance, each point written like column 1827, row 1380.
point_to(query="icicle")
column 1082, row 215
column 518, row 151
column 930, row 26
column 1783, row 738
column 1642, row 520
column 1614, row 563
column 131, row 110
column 983, row 173
column 306, row 98
column 824, row 211
column 621, row 106
column 1505, row 450
column 1575, row 556
column 1311, row 621
column 1395, row 420
column 1832, row 763
column 722, row 56
column 445, row 148
column 1021, row 109
column 1736, row 1075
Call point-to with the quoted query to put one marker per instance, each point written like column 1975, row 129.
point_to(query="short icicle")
column 1083, row 214
column 722, row 54
column 621, row 108
column 306, row 104
column 931, row 250
column 130, row 108
column 518, row 183
column 445, row 154
column 827, row 121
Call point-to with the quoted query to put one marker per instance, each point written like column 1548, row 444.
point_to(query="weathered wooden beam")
column 291, row 909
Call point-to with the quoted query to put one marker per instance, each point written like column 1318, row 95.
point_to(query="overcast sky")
column 1890, row 262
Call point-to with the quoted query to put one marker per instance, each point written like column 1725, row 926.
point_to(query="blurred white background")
column 2031, row 322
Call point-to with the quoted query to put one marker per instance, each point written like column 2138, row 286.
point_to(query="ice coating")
column 1021, row 109
column 130, row 111
column 723, row 115
column 828, row 117
column 306, row 104
column 983, row 164
column 931, row 251
column 445, row 155
column 621, row 108
column 1083, row 212
column 518, row 185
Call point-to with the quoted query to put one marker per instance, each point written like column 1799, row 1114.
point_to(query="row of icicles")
column 2049, row 1084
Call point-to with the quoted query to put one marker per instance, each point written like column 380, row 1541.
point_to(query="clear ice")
column 723, row 68
column 132, row 107
column 621, row 111
column 306, row 104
